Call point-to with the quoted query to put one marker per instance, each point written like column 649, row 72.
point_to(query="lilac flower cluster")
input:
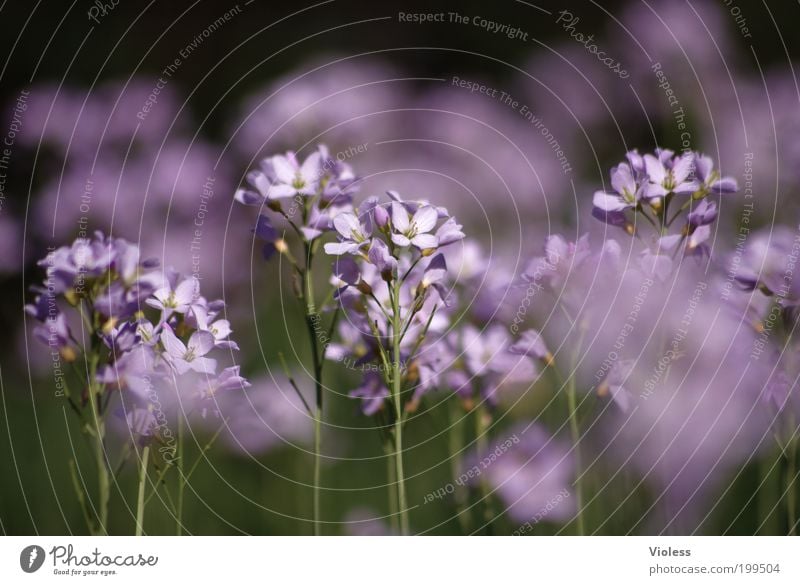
column 110, row 290
column 320, row 188
column 647, row 186
column 392, row 281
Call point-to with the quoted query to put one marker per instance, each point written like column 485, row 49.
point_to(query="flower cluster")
column 648, row 186
column 392, row 282
column 320, row 188
column 110, row 290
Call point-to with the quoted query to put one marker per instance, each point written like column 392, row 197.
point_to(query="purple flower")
column 265, row 231
column 372, row 393
column 141, row 422
column 266, row 416
column 636, row 161
column 532, row 474
column 532, row 345
column 374, row 213
column 768, row 263
column 189, row 356
column 627, row 192
column 43, row 304
column 414, row 230
column 615, row 381
column 282, row 177
column 560, row 259
column 55, row 333
column 221, row 330
column 434, row 274
column 710, row 178
column 228, row 379
column 345, row 273
column 123, row 338
column 85, row 259
column 449, row 232
column 704, row 213
column 383, row 260
column 777, row 391
column 670, row 175
column 353, row 235
column 136, row 370
column 338, row 180
column 175, row 300
column 486, row 351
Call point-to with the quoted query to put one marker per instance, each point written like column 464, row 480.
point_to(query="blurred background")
column 116, row 118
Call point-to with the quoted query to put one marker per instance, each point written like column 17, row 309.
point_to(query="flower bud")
column 364, row 287
column 603, row 389
column 274, row 205
column 72, row 297
column 109, row 325
column 381, row 216
column 68, row 354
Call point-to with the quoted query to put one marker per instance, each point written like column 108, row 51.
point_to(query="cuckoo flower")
column 710, row 179
column 372, row 393
column 413, row 230
column 354, row 234
column 175, row 298
column 282, row 177
column 614, row 384
column 532, row 345
column 129, row 357
column 627, row 193
column 669, row 175
column 189, row 356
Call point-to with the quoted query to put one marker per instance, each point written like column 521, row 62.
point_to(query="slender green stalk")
column 397, row 374
column 391, row 478
column 103, row 483
column 317, row 441
column 790, row 470
column 181, row 479
column 73, row 472
column 97, row 425
column 311, row 315
column 576, row 437
column 455, row 442
column 142, row 486
column 481, row 434
column 575, row 433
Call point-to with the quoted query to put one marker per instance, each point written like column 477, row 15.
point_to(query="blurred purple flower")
column 372, row 392
column 191, row 355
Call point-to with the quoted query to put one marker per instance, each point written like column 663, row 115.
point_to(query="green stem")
column 73, row 472
column 142, row 486
column 398, row 408
column 308, row 295
column 103, row 483
column 455, row 442
column 574, row 428
column 790, row 470
column 317, row 441
column 482, row 421
column 181, row 479
column 391, row 476
column 576, row 437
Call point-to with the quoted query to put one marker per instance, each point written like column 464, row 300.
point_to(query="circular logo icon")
column 31, row 558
